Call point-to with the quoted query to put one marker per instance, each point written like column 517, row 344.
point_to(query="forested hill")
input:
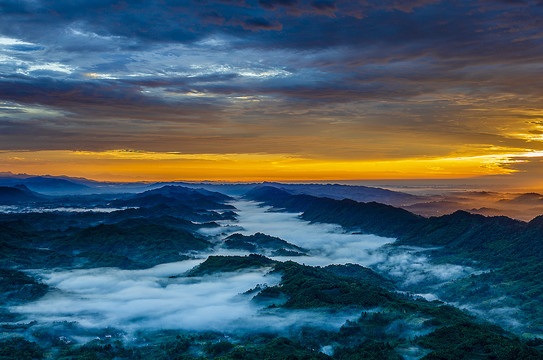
column 177, row 195
column 492, row 240
column 18, row 194
column 507, row 253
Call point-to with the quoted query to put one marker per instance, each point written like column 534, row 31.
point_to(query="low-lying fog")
column 151, row 299
column 331, row 244
column 328, row 243
column 17, row 209
column 157, row 298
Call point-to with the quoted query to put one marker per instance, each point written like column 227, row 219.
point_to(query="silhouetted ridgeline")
column 17, row 195
column 177, row 196
column 49, row 185
column 354, row 192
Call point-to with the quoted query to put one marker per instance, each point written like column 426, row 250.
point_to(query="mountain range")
column 192, row 272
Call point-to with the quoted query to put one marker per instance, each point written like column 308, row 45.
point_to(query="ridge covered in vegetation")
column 511, row 249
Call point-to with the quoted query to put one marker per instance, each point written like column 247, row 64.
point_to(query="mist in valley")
column 163, row 297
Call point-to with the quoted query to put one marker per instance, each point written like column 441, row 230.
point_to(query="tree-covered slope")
column 177, row 196
column 262, row 243
column 444, row 332
column 216, row 264
column 491, row 240
column 146, row 243
column 16, row 286
column 511, row 249
column 18, row 195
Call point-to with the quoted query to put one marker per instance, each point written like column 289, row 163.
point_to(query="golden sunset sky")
column 277, row 90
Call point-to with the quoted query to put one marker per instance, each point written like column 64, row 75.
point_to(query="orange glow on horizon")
column 126, row 165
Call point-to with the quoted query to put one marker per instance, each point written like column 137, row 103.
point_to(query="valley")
column 187, row 273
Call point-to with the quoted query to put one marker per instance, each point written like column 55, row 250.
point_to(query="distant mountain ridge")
column 48, row 185
column 18, row 194
column 58, row 185
column 353, row 192
column 334, row 191
column 177, row 195
column 523, row 206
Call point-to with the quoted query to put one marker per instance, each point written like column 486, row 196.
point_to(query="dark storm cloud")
column 260, row 24
column 95, row 101
column 64, row 94
column 212, row 17
column 187, row 21
column 272, row 4
column 324, row 5
column 421, row 28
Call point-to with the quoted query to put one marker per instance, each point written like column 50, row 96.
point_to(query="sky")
column 246, row 90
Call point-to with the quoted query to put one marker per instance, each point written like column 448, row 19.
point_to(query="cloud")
column 259, row 23
column 411, row 268
column 350, row 73
column 272, row 4
column 324, row 6
column 133, row 300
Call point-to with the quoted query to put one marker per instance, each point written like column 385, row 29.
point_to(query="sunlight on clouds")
column 57, row 67
column 90, row 34
column 269, row 73
column 11, row 41
column 193, row 93
column 29, row 110
column 250, row 72
column 147, row 155
column 100, row 76
column 465, row 102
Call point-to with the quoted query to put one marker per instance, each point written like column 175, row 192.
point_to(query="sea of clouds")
column 162, row 298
